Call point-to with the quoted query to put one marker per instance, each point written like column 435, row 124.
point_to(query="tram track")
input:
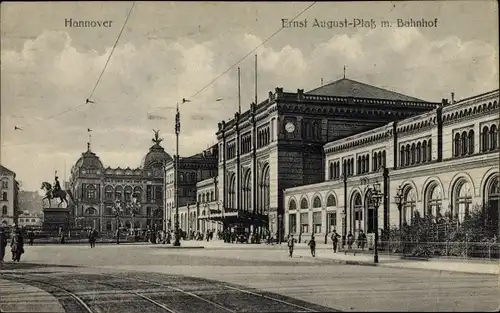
column 76, row 304
column 137, row 292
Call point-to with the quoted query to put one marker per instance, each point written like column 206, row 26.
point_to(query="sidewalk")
column 18, row 297
column 324, row 252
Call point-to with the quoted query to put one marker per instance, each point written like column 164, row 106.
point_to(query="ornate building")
column 9, row 197
column 192, row 170
column 444, row 162
column 278, row 144
column 100, row 192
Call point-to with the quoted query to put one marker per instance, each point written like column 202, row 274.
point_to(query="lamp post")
column 376, row 197
column 135, row 209
column 398, row 198
column 117, row 209
column 177, row 242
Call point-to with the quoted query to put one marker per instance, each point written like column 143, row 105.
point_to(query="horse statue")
column 52, row 194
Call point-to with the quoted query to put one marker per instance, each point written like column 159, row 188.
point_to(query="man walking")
column 291, row 244
column 335, row 240
column 312, row 245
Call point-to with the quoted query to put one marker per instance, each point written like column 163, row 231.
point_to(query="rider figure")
column 57, row 186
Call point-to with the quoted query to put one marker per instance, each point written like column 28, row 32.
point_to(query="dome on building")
column 156, row 154
column 89, row 160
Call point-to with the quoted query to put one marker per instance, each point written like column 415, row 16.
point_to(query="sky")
column 172, row 50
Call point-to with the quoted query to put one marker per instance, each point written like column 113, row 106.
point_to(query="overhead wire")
column 112, row 50
column 249, row 53
column 97, row 82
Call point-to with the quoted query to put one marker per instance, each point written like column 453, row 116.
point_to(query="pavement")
column 337, row 281
column 325, row 252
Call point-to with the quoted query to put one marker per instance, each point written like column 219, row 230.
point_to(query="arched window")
column 212, row 196
column 317, row 202
column 304, row 204
column 357, row 210
column 424, row 151
column 128, row 193
column 367, row 163
column 292, row 205
column 407, row 156
column 374, row 162
column 330, row 171
column 138, row 193
column 91, row 192
column 232, row 192
column 463, row 143
column 485, row 139
column 471, row 141
column 358, row 165
column 383, row 159
column 409, row 205
column 419, row 153
column 434, row 198
column 456, row 145
column 118, row 192
column 413, row 154
column 402, row 156
column 247, row 191
column 463, row 200
column 90, row 211
column 4, row 196
column 429, row 150
column 492, row 201
column 493, row 137
column 4, row 210
column 265, row 191
column 108, row 192
column 331, row 201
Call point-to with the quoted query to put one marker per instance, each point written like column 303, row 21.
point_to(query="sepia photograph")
column 190, row 156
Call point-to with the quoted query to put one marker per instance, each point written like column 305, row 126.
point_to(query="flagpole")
column 177, row 242
column 239, row 91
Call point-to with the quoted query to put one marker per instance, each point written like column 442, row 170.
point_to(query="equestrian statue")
column 53, row 192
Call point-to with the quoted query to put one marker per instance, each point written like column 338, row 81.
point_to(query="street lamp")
column 177, row 242
column 376, row 197
column 117, row 209
column 135, row 209
column 398, row 198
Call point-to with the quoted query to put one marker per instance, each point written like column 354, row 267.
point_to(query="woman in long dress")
column 17, row 246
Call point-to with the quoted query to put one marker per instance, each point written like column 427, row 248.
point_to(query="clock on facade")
column 289, row 127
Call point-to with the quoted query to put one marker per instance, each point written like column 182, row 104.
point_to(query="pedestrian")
column 361, row 239
column 335, row 240
column 291, row 244
column 312, row 246
column 31, row 236
column 17, row 245
column 350, row 241
column 3, row 244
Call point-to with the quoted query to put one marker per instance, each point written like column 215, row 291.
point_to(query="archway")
column 462, row 199
column 369, row 210
column 357, row 213
column 492, row 201
column 433, row 199
column 409, row 204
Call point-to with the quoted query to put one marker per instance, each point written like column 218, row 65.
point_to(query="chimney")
column 452, row 98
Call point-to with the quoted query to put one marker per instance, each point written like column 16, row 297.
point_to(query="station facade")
column 279, row 144
column 444, row 161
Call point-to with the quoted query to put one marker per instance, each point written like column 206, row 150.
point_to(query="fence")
column 463, row 249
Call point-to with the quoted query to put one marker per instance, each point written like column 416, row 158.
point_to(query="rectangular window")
column 317, row 222
column 304, row 222
column 292, row 224
column 332, row 221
